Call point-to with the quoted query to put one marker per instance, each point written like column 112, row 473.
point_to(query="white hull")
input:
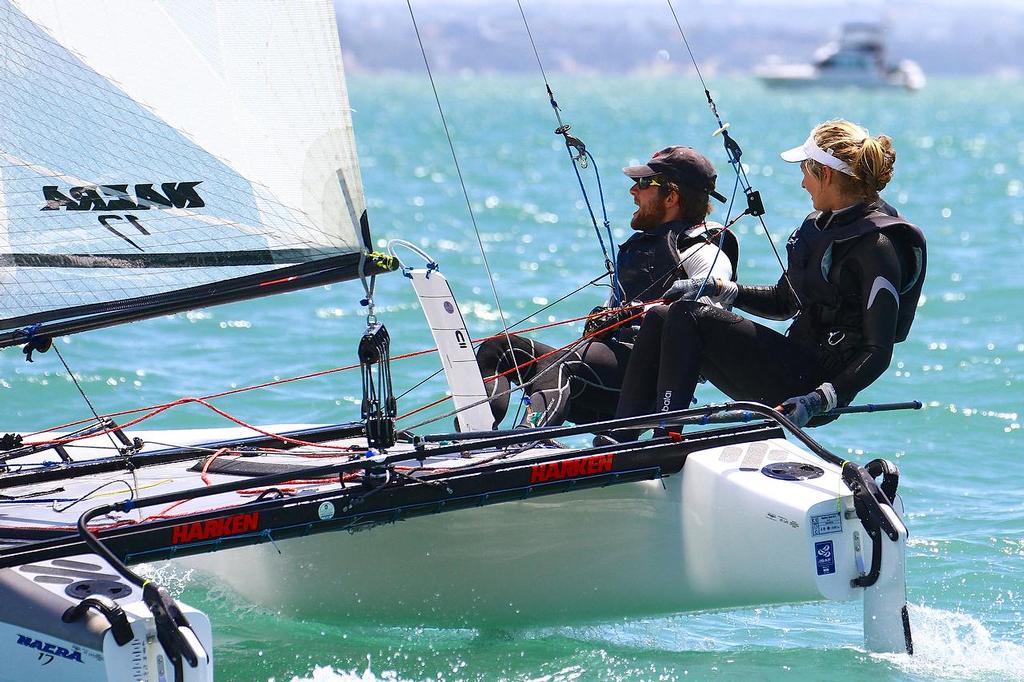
column 37, row 645
column 719, row 533
column 856, row 80
column 713, row 536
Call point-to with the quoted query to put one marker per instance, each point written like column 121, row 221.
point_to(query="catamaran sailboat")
column 221, row 166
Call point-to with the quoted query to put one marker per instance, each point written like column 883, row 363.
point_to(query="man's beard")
column 649, row 217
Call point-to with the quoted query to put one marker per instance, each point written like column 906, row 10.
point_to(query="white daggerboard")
column 455, row 349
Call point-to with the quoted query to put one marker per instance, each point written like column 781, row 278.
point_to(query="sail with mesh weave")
column 160, row 155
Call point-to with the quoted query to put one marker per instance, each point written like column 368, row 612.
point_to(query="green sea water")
column 959, row 174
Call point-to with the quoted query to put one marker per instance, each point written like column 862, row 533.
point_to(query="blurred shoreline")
column 946, row 38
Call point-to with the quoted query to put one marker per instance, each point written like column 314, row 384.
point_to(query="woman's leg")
column 640, row 382
column 747, row 361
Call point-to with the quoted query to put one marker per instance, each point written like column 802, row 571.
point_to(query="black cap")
column 684, row 165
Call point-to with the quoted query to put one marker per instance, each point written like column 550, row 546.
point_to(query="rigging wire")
column 513, row 326
column 103, row 425
column 458, row 170
column 74, row 380
column 578, row 160
column 153, row 410
column 732, row 150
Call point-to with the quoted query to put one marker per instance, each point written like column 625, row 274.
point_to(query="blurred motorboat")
column 857, row 59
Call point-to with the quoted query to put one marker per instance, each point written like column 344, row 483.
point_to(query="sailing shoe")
column 540, row 442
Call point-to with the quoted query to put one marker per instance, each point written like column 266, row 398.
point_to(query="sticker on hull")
column 571, row 468
column 824, row 557
column 826, row 524
column 215, row 528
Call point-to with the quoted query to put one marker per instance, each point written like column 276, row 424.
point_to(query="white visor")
column 810, row 150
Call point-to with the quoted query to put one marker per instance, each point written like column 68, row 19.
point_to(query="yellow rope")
column 839, row 488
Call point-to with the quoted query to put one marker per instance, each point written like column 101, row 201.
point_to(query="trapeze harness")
column 584, row 386
column 831, row 315
column 649, row 262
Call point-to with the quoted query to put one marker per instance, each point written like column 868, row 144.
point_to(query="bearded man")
column 673, row 240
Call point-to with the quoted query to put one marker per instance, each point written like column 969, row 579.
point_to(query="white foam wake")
column 950, row 645
column 329, row 674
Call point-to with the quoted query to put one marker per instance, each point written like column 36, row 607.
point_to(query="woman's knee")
column 682, row 317
column 695, row 316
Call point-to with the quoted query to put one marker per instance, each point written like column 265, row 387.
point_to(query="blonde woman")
column 854, row 279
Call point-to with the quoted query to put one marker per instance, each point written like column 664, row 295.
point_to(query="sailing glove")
column 802, row 409
column 688, row 289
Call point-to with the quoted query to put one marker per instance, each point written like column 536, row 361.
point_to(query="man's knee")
column 496, row 345
column 501, row 350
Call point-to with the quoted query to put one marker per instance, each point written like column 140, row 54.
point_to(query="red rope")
column 208, row 462
column 154, row 410
column 531, row 361
column 185, row 401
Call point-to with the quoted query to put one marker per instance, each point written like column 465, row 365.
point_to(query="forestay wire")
column 99, row 420
column 462, row 182
column 580, row 159
column 755, row 207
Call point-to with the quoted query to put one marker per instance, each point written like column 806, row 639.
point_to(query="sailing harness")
column 815, row 270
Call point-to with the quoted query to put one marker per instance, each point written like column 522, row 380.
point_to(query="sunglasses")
column 644, row 183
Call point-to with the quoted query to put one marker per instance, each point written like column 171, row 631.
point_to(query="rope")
column 153, row 410
column 458, row 170
column 186, row 401
column 579, row 160
column 733, row 153
column 81, row 391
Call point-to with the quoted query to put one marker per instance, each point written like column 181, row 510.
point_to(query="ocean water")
column 959, row 174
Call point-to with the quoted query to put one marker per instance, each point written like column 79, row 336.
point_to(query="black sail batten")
column 204, row 259
column 277, row 281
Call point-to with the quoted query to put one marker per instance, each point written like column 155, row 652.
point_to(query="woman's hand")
column 802, row 409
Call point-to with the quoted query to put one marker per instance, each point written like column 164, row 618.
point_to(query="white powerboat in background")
column 857, row 59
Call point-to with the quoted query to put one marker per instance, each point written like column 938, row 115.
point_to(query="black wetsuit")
column 582, row 384
column 857, row 275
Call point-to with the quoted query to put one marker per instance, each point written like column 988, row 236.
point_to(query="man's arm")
column 702, row 260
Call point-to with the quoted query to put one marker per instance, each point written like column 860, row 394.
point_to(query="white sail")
column 150, row 146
